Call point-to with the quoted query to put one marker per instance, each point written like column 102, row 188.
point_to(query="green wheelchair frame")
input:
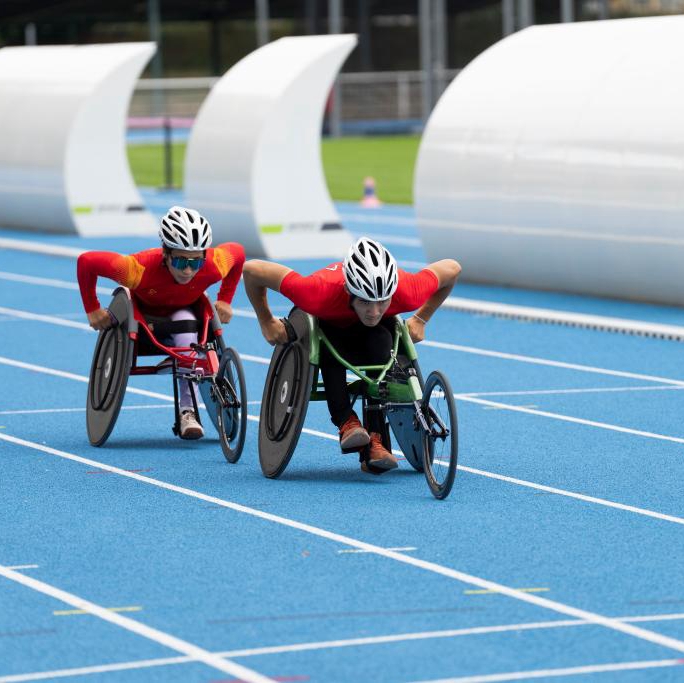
column 422, row 416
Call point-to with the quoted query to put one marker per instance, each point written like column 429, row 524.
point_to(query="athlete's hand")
column 416, row 329
column 100, row 319
column 225, row 311
column 274, row 331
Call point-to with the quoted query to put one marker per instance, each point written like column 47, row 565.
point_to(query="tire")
column 109, row 372
column 285, row 400
column 440, row 449
column 231, row 421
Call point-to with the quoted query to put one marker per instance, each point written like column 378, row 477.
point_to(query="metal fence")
column 369, row 101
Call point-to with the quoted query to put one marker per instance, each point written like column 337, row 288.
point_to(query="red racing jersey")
column 323, row 294
column 150, row 281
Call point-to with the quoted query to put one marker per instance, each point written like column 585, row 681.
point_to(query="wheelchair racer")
column 355, row 302
column 166, row 282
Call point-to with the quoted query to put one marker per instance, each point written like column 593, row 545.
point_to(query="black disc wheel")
column 109, row 374
column 440, row 450
column 285, row 399
column 229, row 396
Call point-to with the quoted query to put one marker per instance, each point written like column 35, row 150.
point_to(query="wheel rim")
column 106, row 369
column 283, row 393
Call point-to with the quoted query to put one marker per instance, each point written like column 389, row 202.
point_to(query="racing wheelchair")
column 421, row 415
column 212, row 366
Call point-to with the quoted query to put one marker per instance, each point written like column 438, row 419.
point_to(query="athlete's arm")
column 93, row 264
column 230, row 259
column 260, row 276
column 447, row 272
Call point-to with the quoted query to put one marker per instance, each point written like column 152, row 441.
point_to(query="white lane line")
column 434, row 344
column 353, row 550
column 553, row 392
column 24, row 566
column 551, row 363
column 569, row 671
column 467, row 305
column 37, row 317
column 40, row 411
column 417, row 265
column 323, row 645
column 501, row 407
column 382, row 220
column 75, row 377
column 332, row 437
column 47, row 282
column 568, row 418
column 572, row 494
column 165, row 639
column 65, row 284
column 547, row 315
column 40, row 247
column 432, row 567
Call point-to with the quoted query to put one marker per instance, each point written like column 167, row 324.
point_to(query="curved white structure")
column 63, row 164
column 556, row 160
column 253, row 163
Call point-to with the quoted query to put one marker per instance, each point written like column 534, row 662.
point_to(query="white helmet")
column 185, row 229
column 370, row 271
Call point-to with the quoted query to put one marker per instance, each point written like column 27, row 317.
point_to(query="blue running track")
column 559, row 554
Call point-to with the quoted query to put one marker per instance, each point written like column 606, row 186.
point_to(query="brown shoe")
column 379, row 458
column 352, row 433
column 190, row 428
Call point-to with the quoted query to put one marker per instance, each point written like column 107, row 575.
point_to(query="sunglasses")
column 181, row 263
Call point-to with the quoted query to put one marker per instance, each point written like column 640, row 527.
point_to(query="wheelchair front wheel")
column 231, row 420
column 440, row 443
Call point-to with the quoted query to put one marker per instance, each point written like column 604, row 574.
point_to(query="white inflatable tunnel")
column 253, row 163
column 63, row 164
column 556, row 160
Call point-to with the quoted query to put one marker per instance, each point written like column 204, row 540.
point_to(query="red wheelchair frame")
column 216, row 369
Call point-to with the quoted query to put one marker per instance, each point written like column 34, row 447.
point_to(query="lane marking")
column 471, row 306
column 432, row 567
column 524, row 590
column 139, row 469
column 37, row 317
column 39, row 411
column 72, row 612
column 568, row 671
column 391, row 239
column 559, row 317
column 596, row 390
column 322, row 645
column 165, row 639
column 24, row 566
column 331, row 437
column 551, row 363
column 434, row 344
column 40, row 247
column 571, row 494
column 353, row 550
column 568, row 418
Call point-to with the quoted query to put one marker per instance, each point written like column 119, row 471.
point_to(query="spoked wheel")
column 109, row 372
column 286, row 398
column 440, row 450
column 231, row 421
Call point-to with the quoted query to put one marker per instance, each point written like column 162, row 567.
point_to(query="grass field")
column 347, row 161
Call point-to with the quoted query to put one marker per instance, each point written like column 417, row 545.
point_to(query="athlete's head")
column 371, row 277
column 185, row 236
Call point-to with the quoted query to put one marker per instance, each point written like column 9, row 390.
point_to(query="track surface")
column 560, row 552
